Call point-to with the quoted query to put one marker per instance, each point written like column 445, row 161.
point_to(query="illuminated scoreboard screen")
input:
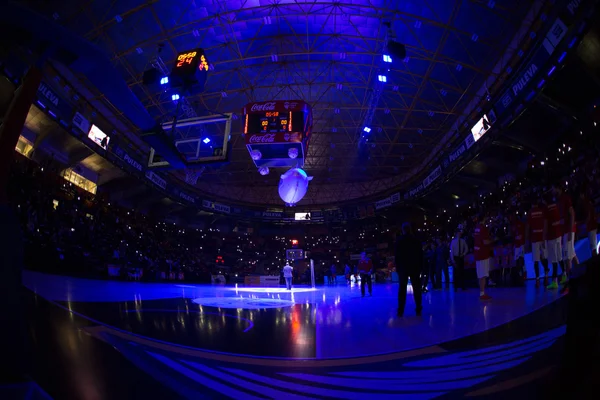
column 190, row 67
column 275, row 122
column 294, row 254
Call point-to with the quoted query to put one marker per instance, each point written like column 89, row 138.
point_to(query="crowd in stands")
column 70, row 231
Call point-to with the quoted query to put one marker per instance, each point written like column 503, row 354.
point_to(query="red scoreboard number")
column 189, row 64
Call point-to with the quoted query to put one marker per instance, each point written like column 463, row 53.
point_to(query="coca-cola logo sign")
column 268, row 106
column 264, row 138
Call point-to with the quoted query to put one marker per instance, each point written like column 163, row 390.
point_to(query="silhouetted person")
column 409, row 264
column 365, row 267
column 458, row 251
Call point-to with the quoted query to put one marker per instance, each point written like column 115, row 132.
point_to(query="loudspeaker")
column 396, row 50
column 151, row 76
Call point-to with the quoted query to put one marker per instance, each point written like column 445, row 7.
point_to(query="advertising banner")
column 157, row 180
column 122, row 154
column 187, row 197
column 216, row 206
column 275, row 137
column 48, row 99
column 82, row 123
column 281, row 106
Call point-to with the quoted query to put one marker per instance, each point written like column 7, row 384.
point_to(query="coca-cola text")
column 264, row 138
column 268, row 106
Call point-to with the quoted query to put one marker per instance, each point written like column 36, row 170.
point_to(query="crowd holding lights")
column 82, row 227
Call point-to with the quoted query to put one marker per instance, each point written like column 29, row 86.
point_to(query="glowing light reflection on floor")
column 243, row 303
column 272, row 290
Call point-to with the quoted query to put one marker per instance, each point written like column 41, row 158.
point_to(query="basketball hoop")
column 192, row 175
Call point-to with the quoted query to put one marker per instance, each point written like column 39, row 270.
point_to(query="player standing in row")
column 518, row 228
column 554, row 237
column 567, row 218
column 538, row 230
column 483, row 255
column 590, row 220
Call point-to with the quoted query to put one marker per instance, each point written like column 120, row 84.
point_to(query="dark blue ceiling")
column 452, row 46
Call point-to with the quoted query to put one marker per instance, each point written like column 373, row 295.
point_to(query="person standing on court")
column 409, row 264
column 483, row 252
column 287, row 275
column 365, row 268
column 458, row 251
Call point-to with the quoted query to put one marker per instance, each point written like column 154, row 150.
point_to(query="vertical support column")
column 312, row 273
column 13, row 335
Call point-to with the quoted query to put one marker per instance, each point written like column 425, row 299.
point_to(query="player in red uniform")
column 537, row 228
column 483, row 258
column 590, row 220
column 569, row 227
column 554, row 236
column 518, row 232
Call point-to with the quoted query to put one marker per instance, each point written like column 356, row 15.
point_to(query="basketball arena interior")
column 299, row 199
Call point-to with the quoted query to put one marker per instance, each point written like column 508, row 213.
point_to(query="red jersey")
column 365, row 265
column 565, row 204
column 482, row 250
column 536, row 219
column 519, row 233
column 554, row 222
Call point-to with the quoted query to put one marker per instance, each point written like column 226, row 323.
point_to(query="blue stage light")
column 175, row 97
column 367, row 129
column 206, row 140
column 552, row 70
column 387, row 58
column 382, row 78
column 164, row 80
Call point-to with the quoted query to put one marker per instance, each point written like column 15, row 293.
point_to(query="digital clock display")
column 185, row 58
column 274, row 122
column 190, row 62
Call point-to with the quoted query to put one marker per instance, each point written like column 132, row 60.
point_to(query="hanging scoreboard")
column 294, row 254
column 190, row 68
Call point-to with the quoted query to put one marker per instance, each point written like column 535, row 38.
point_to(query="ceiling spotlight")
column 164, row 80
column 263, row 171
column 367, row 129
column 293, row 153
column 387, row 58
column 256, row 155
column 382, row 78
column 206, row 141
column 174, row 97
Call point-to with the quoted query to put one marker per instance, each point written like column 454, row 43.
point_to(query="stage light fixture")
column 367, row 129
column 164, row 80
column 175, row 97
column 263, row 171
column 206, row 140
column 256, row 155
column 382, row 78
column 387, row 58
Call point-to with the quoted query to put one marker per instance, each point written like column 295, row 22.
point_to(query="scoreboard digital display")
column 274, row 122
column 188, row 64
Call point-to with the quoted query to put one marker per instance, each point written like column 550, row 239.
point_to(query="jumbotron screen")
column 274, row 122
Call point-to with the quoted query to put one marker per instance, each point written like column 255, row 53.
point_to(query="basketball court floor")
column 113, row 339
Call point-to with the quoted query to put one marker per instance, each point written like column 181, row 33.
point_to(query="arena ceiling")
column 326, row 53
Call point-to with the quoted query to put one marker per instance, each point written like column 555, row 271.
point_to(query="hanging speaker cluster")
column 397, row 50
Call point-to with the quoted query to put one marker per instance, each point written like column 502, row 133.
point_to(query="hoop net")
column 192, row 175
